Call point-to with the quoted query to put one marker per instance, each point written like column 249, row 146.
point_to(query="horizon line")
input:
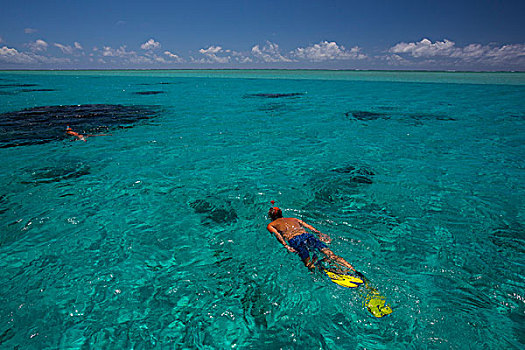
column 258, row 69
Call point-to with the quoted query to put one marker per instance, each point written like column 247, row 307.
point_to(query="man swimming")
column 299, row 240
column 70, row 131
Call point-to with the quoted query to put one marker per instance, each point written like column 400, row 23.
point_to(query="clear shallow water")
column 122, row 241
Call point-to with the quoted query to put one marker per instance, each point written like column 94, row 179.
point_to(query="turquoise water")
column 155, row 236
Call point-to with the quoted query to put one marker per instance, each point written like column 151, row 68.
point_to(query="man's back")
column 288, row 227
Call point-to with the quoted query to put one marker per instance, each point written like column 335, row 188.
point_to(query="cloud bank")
column 447, row 50
column 173, row 57
column 269, row 53
column 151, row 44
column 38, row 45
column 423, row 54
column 214, row 54
column 13, row 56
column 328, row 51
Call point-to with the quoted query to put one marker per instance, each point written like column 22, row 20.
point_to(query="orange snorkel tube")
column 275, row 210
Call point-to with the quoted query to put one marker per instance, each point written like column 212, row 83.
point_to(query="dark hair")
column 275, row 213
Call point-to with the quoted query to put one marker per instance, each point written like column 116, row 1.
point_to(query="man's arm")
column 323, row 237
column 280, row 238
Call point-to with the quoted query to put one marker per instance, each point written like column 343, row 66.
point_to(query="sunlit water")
column 155, row 236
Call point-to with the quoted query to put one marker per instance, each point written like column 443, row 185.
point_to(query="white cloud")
column 269, row 53
column 211, row 55
column 10, row 55
column 173, row 57
column 122, row 56
column 38, row 46
column 326, row 51
column 30, row 30
column 245, row 60
column 51, row 60
column 64, row 48
column 446, row 49
column 393, row 59
column 150, row 45
column 241, row 57
column 425, row 48
column 515, row 52
column 108, row 51
column 140, row 60
column 211, row 50
column 68, row 49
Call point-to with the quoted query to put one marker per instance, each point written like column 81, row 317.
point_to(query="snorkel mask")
column 275, row 212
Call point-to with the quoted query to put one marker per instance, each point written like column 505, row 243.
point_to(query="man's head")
column 275, row 213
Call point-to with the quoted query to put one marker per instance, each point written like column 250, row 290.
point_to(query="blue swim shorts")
column 305, row 243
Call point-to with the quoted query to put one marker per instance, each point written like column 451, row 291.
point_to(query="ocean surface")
column 153, row 235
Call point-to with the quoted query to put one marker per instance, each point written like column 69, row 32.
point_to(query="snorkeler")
column 70, row 131
column 299, row 240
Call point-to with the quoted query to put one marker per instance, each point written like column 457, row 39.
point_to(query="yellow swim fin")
column 346, row 281
column 373, row 301
column 376, row 304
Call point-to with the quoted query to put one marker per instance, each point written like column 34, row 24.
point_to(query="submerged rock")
column 57, row 173
column 159, row 83
column 417, row 117
column 40, row 125
column 148, row 92
column 37, row 90
column 341, row 184
column 269, row 95
column 423, row 116
column 509, row 238
column 17, row 85
column 357, row 175
column 4, row 205
column 366, row 115
column 273, row 107
column 213, row 213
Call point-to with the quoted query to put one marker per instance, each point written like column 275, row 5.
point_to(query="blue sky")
column 424, row 34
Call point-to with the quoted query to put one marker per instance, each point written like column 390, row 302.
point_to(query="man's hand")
column 290, row 249
column 324, row 238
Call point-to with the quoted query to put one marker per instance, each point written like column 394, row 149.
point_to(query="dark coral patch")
column 341, row 184
column 417, row 117
column 265, row 95
column 509, row 239
column 4, row 205
column 160, row 83
column 57, row 173
column 37, row 90
column 48, row 123
column 350, row 169
column 148, row 92
column 355, row 174
column 366, row 115
column 213, row 212
column 17, row 85
column 423, row 116
column 273, row 107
